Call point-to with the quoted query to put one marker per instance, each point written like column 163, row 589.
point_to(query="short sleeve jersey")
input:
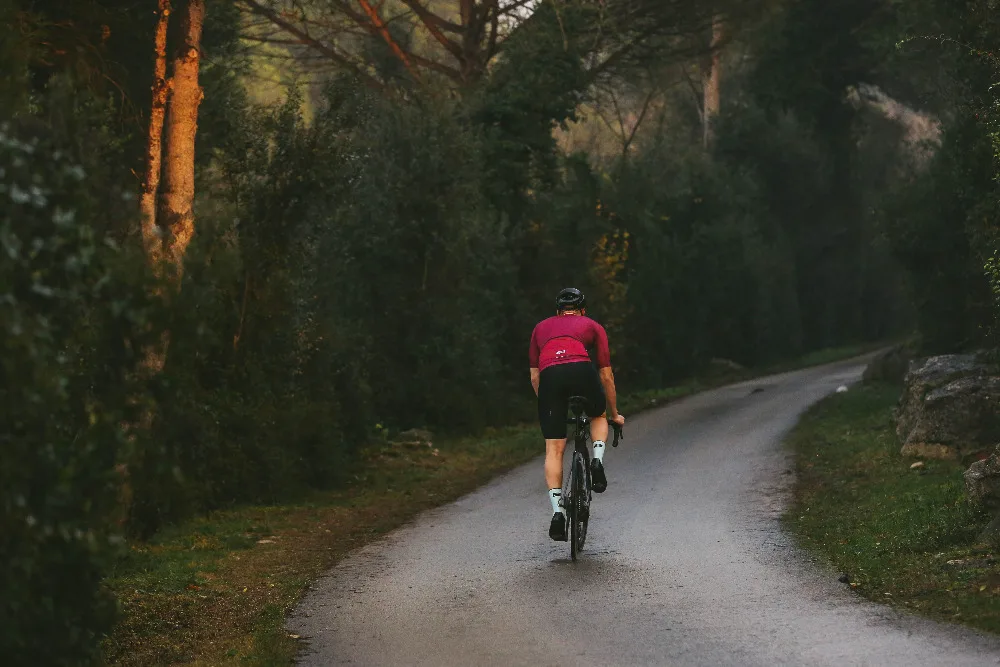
column 565, row 339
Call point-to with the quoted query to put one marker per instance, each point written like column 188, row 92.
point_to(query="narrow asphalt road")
column 685, row 564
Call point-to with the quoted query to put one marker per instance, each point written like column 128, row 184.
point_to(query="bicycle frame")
column 578, row 490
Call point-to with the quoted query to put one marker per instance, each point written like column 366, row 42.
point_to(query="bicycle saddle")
column 576, row 404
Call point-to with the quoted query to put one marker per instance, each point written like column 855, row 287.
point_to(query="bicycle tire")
column 572, row 509
column 584, row 502
column 579, row 529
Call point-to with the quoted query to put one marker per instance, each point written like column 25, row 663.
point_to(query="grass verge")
column 904, row 536
column 216, row 590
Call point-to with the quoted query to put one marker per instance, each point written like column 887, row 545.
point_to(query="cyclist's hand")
column 619, row 419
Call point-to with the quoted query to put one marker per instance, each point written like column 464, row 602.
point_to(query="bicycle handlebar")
column 618, row 429
column 619, row 435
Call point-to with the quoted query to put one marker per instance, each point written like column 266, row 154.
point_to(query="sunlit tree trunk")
column 712, row 83
column 151, row 237
column 176, row 210
column 168, row 212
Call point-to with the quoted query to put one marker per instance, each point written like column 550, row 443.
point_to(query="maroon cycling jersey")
column 564, row 339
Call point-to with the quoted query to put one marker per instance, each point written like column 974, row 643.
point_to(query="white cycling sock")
column 599, row 450
column 555, row 495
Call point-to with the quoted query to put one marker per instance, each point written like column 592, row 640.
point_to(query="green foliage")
column 689, row 255
column 992, row 269
column 68, row 318
column 928, row 222
column 941, row 220
column 537, row 84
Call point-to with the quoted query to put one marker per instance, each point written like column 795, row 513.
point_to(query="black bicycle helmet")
column 571, row 299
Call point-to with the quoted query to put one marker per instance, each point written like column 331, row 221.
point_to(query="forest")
column 240, row 237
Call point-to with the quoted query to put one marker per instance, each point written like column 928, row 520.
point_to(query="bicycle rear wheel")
column 578, row 502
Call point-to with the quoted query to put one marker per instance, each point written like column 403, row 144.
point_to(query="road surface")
column 685, row 564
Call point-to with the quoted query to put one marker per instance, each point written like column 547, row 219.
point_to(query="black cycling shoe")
column 597, row 477
column 557, row 529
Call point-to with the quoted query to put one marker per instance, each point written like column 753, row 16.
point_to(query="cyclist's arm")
column 607, row 376
column 610, row 395
column 533, row 355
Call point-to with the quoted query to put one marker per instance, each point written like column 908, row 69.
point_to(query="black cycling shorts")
column 556, row 385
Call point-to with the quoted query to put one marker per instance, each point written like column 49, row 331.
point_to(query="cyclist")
column 560, row 367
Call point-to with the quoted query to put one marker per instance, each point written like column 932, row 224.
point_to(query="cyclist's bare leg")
column 599, row 429
column 599, row 436
column 553, row 477
column 554, row 462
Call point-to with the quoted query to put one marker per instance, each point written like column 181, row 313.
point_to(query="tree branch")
column 638, row 121
column 435, row 25
column 695, row 94
column 491, row 42
column 257, row 8
column 621, row 119
column 380, row 27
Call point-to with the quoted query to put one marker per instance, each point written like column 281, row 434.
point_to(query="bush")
column 931, row 221
column 68, row 312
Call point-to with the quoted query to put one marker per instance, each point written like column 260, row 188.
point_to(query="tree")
column 168, row 229
column 151, row 236
column 176, row 210
column 712, row 81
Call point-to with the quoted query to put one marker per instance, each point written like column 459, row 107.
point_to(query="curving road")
column 685, row 564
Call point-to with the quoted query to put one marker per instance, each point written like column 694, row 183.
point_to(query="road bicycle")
column 577, row 493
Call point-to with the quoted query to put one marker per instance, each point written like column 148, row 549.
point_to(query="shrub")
column 68, row 313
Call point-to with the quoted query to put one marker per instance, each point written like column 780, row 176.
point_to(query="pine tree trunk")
column 151, row 237
column 712, row 83
column 176, row 210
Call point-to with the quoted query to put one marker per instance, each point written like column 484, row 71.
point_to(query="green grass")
column 891, row 528
column 216, row 590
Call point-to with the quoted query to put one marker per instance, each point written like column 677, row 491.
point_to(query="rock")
column 888, row 366
column 963, row 416
column 924, row 375
column 982, row 486
column 982, row 482
column 918, row 464
column 844, row 579
column 842, row 389
column 950, row 406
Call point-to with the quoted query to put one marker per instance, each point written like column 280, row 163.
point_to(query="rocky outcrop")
column 982, row 486
column 950, row 406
